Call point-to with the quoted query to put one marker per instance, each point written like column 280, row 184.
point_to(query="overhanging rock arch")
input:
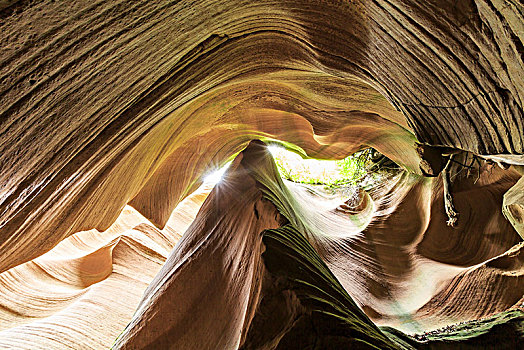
column 109, row 103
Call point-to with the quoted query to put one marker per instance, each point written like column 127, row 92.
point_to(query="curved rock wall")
column 396, row 268
column 92, row 94
column 122, row 102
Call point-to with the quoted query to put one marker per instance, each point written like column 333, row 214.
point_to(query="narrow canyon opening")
column 268, row 175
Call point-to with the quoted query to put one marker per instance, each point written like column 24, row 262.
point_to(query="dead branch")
column 448, row 199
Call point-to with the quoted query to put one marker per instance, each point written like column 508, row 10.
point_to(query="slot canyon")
column 113, row 112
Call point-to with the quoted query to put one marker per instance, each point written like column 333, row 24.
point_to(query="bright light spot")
column 274, row 150
column 293, row 167
column 215, row 176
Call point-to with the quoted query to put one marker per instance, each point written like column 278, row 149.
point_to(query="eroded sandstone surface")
column 112, row 113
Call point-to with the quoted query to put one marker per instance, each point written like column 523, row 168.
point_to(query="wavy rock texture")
column 220, row 288
column 401, row 257
column 83, row 292
column 113, row 103
column 72, row 89
column 513, row 206
column 289, row 291
column 226, row 253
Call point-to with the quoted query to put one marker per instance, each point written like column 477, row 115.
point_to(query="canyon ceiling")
column 112, row 113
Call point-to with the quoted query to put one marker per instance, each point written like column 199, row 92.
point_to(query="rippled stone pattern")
column 115, row 108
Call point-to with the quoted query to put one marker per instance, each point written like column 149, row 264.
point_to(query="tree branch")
column 448, row 199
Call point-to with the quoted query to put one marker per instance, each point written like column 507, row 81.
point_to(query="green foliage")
column 350, row 171
column 285, row 172
column 354, row 167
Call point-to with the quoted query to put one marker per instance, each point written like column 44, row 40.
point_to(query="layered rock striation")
column 112, row 112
